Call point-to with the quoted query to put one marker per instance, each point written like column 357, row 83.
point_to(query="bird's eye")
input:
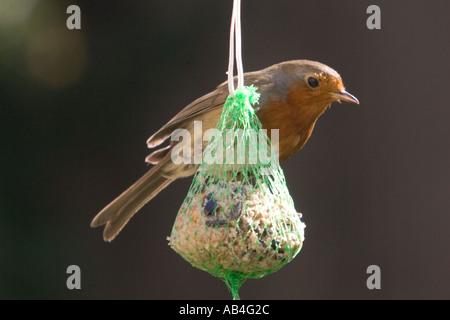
column 313, row 82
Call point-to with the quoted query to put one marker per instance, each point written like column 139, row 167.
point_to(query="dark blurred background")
column 77, row 107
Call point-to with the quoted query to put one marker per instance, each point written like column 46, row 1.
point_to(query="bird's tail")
column 116, row 215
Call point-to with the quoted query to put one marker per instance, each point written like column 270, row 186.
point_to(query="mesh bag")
column 238, row 220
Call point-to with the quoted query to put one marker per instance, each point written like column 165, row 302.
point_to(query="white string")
column 235, row 37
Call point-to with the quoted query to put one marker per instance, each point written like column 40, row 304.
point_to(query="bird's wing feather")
column 208, row 102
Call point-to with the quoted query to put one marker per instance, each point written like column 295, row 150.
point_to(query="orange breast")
column 294, row 127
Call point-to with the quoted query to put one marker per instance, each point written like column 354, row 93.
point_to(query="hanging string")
column 235, row 39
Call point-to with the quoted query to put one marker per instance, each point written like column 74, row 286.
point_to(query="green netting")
column 238, row 220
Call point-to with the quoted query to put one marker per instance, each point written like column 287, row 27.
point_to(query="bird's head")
column 310, row 84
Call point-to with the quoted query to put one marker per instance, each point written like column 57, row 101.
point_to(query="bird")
column 293, row 95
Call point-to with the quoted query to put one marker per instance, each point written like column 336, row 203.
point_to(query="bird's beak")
column 345, row 96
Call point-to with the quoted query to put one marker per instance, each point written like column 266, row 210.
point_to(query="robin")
column 293, row 95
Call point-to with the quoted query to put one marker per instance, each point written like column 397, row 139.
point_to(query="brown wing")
column 208, row 102
column 203, row 104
